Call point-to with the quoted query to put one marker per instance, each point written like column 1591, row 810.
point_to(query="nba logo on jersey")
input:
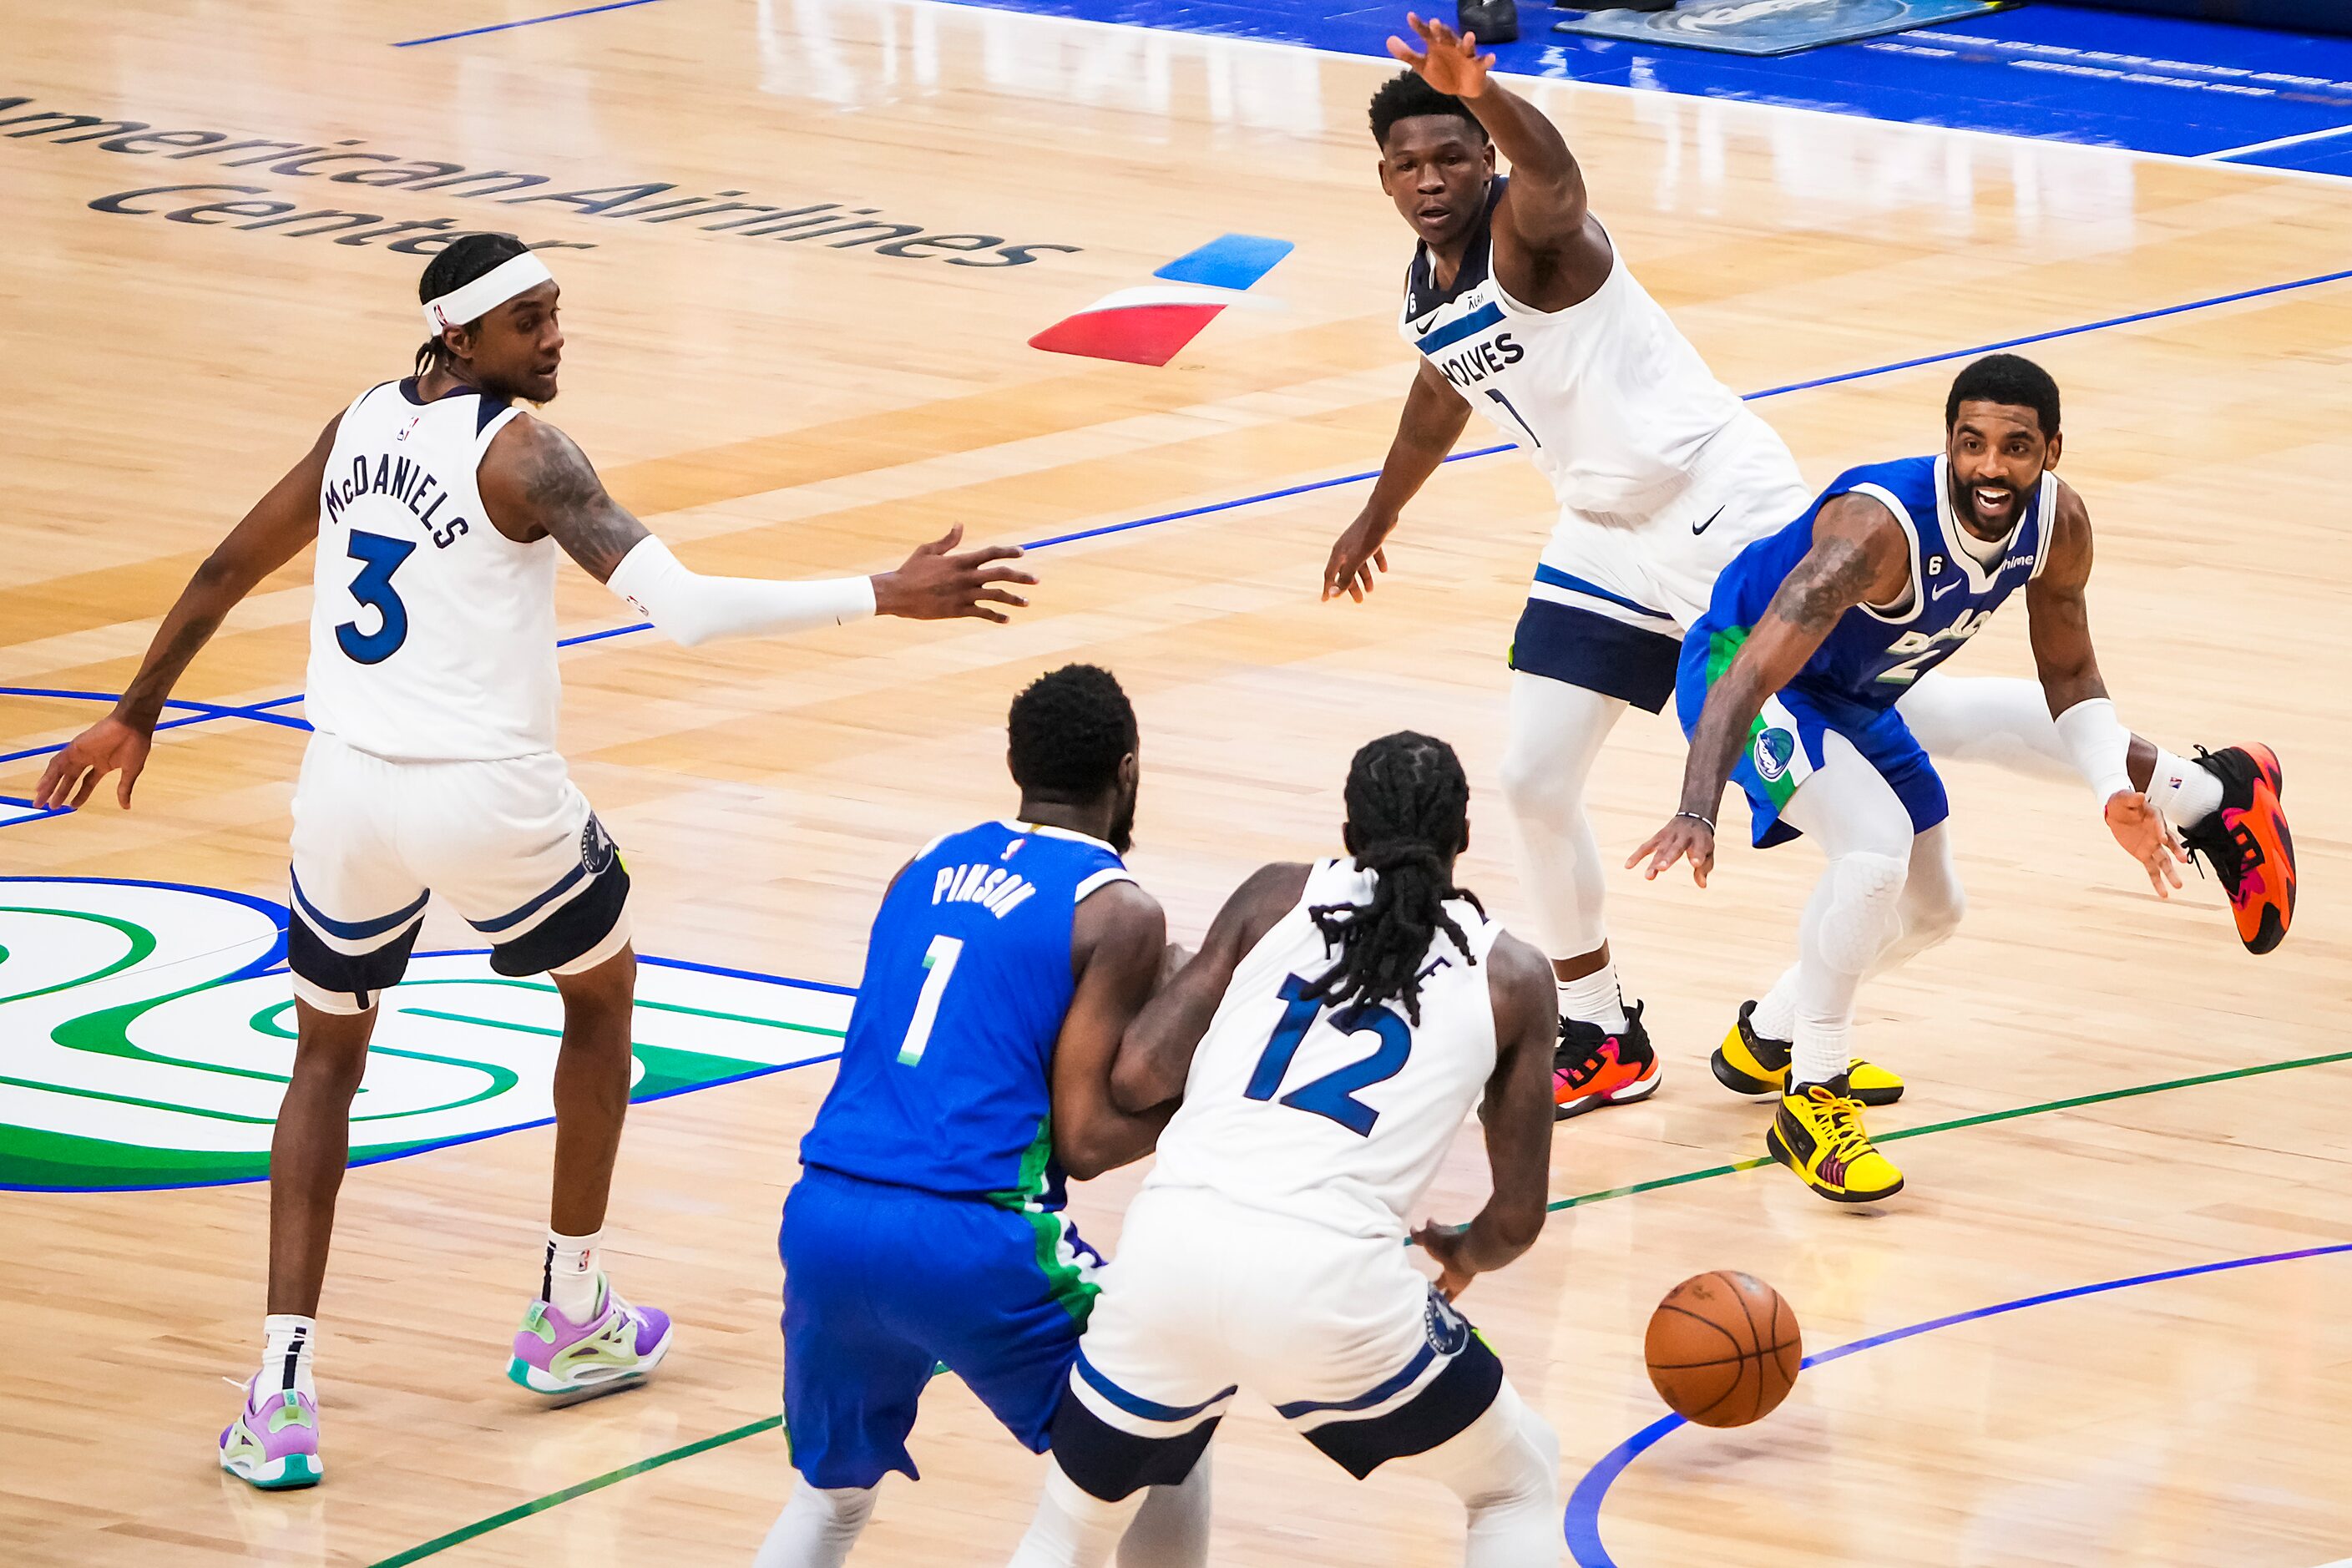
column 404, row 429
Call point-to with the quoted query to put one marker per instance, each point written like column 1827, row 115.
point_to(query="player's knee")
column 1930, row 916
column 1539, row 784
column 1864, row 916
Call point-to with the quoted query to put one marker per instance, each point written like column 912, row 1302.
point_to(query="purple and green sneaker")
column 619, row 1345
column 273, row 1444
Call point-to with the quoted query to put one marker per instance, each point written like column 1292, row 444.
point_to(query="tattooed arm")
column 271, row 535
column 1859, row 555
column 538, row 484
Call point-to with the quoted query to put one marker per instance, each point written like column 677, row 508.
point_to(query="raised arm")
column 536, row 483
column 1549, row 251
column 2058, row 623
column 1117, row 944
column 267, row 538
column 1859, row 555
column 1432, row 422
column 1156, row 1056
column 1517, row 1114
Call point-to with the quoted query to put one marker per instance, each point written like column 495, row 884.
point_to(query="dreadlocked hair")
column 453, row 266
column 1408, row 816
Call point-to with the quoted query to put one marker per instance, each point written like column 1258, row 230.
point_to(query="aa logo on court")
column 147, row 1030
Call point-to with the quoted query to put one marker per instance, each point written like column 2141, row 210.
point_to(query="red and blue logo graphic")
column 1151, row 324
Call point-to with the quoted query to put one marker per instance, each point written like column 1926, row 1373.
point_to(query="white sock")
column 1775, row 1017
column 817, row 1527
column 2185, row 792
column 287, row 1341
column 1072, row 1528
column 1595, row 999
column 570, row 1281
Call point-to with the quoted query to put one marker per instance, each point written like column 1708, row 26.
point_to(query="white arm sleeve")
column 694, row 609
column 2099, row 745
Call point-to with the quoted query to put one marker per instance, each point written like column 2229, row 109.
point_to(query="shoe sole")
column 289, row 1474
column 1627, row 1094
column 1780, row 1152
column 1750, row 1087
column 523, row 1374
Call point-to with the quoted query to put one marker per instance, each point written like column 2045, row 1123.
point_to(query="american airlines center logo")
column 147, row 1030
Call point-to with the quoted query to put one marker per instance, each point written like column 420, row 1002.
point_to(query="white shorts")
column 1613, row 595
column 1338, row 1333
column 510, row 845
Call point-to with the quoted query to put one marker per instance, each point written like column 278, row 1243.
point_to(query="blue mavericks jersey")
column 945, row 1075
column 1871, row 656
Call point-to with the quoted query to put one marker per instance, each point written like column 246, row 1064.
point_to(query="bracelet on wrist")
column 1703, row 821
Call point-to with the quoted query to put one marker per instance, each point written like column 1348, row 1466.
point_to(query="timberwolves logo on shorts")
column 597, row 849
column 1774, row 748
column 1449, row 1330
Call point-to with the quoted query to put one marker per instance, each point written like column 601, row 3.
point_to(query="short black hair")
column 1069, row 729
column 2006, row 378
column 453, row 266
column 1406, row 96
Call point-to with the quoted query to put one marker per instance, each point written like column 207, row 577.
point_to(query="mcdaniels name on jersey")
column 404, row 482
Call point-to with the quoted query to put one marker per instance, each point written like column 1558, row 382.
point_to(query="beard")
column 1122, row 826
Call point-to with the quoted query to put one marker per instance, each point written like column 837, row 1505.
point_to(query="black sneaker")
column 1592, row 1067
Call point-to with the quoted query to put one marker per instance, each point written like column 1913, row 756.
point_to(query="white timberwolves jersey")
column 1339, row 1116
column 1607, row 395
column 431, row 635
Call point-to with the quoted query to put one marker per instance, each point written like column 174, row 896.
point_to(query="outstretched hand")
column 1447, row 60
column 1353, row 557
column 937, row 586
column 1683, row 836
column 2147, row 838
column 1445, row 1243
column 107, row 746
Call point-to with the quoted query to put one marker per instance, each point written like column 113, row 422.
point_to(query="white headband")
column 472, row 301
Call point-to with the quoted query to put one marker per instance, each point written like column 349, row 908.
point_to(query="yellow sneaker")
column 1755, row 1065
column 1818, row 1134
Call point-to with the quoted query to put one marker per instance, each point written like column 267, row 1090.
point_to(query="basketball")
column 1722, row 1349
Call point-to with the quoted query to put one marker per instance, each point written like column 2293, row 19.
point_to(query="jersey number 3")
column 379, row 558
column 1333, row 1094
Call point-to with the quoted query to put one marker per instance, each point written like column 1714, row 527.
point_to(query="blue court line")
column 259, row 709
column 1583, row 1523
column 526, row 21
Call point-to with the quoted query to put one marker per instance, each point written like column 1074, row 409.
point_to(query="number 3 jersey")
column 1338, row 1115
column 946, row 1076
column 432, row 634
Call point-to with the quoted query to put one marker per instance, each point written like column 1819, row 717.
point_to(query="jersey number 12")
column 1334, row 1094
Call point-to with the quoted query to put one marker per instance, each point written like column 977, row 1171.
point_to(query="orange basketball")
column 1722, row 1349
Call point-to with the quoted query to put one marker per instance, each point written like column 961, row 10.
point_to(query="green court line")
column 540, row 1505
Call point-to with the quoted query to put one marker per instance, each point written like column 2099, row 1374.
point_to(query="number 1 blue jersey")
column 946, row 1077
column 1872, row 657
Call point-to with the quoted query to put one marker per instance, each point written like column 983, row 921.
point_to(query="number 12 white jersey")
column 432, row 634
column 1337, row 1115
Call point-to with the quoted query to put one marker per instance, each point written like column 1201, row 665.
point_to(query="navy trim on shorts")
column 357, row 976
column 352, row 930
column 522, row 912
column 1109, row 1464
column 1454, row 1398
column 1586, row 648
column 1136, row 1405
column 570, row 931
column 1387, row 1390
column 1553, row 577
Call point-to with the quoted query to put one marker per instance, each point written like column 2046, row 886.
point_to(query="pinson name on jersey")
column 994, row 888
column 404, row 480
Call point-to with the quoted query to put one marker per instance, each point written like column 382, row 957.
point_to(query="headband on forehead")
column 472, row 301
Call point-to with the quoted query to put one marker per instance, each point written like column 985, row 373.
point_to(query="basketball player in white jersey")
column 1337, row 1026
column 438, row 506
column 1522, row 309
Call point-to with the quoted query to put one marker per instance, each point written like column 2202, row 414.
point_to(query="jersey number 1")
column 1334, row 1094
column 379, row 558
column 939, row 962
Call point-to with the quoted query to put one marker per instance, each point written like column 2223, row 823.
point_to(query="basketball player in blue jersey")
column 1789, row 684
column 438, row 506
column 926, row 1227
column 1523, row 308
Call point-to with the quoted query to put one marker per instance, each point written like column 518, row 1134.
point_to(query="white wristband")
column 2099, row 745
column 693, row 609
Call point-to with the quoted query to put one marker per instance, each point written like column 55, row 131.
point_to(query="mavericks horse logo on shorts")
column 1773, row 749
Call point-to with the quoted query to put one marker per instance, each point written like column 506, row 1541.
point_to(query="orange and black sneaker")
column 1593, row 1068
column 2247, row 844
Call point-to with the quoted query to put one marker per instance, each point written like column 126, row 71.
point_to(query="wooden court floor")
column 802, row 407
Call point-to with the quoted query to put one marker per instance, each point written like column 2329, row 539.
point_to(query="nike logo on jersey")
column 1421, row 327
column 1947, row 588
column 1699, row 528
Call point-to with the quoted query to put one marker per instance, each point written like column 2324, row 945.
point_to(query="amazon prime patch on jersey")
column 1773, row 26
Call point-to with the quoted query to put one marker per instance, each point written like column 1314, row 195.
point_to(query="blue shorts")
column 883, row 1283
column 1784, row 746
column 1586, row 648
